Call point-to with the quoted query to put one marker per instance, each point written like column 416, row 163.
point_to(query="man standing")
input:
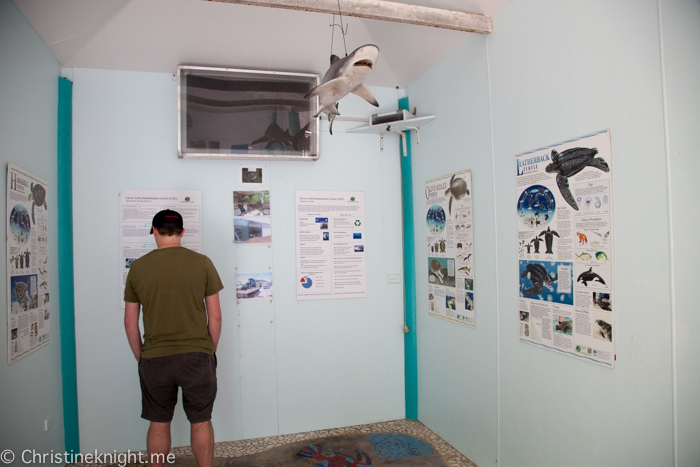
column 173, row 283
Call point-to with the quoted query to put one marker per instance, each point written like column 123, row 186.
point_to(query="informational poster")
column 137, row 208
column 28, row 285
column 330, row 243
column 450, row 243
column 565, row 248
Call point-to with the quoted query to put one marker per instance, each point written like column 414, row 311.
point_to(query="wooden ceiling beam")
column 385, row 11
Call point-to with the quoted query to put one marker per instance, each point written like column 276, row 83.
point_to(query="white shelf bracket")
column 417, row 130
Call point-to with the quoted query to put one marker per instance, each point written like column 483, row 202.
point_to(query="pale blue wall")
column 30, row 389
column 680, row 24
column 291, row 366
column 458, row 365
column 556, row 70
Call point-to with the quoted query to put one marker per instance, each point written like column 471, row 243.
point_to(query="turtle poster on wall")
column 136, row 216
column 28, row 310
column 450, row 244
column 565, row 248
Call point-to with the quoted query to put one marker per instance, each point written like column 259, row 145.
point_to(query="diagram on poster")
column 565, row 248
column 137, row 208
column 28, row 284
column 450, row 243
column 330, row 243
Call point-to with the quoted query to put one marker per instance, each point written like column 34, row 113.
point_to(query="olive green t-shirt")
column 171, row 284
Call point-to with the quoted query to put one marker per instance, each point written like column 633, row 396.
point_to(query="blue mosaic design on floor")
column 397, row 446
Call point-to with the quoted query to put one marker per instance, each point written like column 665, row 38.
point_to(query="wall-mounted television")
column 229, row 113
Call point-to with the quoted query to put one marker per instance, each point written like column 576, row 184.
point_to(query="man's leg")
column 202, row 439
column 158, row 443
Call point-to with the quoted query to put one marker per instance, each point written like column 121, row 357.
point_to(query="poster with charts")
column 330, row 244
column 566, row 279
column 28, row 284
column 136, row 211
column 450, row 244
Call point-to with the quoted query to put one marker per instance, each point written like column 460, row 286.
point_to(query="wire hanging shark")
column 346, row 75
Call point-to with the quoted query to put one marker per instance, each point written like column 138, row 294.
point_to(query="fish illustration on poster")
column 565, row 248
column 450, row 247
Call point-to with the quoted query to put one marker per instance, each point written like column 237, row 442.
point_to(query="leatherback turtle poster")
column 450, row 247
column 28, row 284
column 565, row 248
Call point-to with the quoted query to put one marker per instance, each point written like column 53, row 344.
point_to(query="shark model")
column 346, row 75
column 274, row 134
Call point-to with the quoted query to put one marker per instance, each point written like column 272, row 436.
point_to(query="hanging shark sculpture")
column 275, row 134
column 346, row 75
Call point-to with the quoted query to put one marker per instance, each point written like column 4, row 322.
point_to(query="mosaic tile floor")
column 251, row 446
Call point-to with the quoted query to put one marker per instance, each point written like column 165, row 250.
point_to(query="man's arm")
column 214, row 316
column 131, row 324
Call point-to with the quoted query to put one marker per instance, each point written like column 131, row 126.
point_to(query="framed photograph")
column 253, row 175
column 229, row 113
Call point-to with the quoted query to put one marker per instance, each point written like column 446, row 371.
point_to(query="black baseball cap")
column 167, row 218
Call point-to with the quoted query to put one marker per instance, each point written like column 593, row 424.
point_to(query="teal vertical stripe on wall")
column 409, row 274
column 65, row 265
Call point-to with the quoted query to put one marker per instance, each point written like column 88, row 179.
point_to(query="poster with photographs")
column 450, row 244
column 565, row 248
column 251, row 217
column 28, row 285
column 253, row 285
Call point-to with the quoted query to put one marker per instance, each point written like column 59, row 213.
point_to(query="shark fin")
column 259, row 140
column 333, row 86
column 363, row 91
column 333, row 109
column 331, row 118
column 334, row 58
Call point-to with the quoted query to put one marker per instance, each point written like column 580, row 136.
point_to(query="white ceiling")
column 158, row 35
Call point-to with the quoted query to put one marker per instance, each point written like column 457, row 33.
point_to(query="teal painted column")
column 409, row 275
column 65, row 265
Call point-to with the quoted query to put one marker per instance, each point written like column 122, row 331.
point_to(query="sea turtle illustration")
column 38, row 194
column 436, row 270
column 548, row 239
column 457, row 190
column 539, row 278
column 564, row 327
column 569, row 163
column 20, row 291
column 605, row 329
